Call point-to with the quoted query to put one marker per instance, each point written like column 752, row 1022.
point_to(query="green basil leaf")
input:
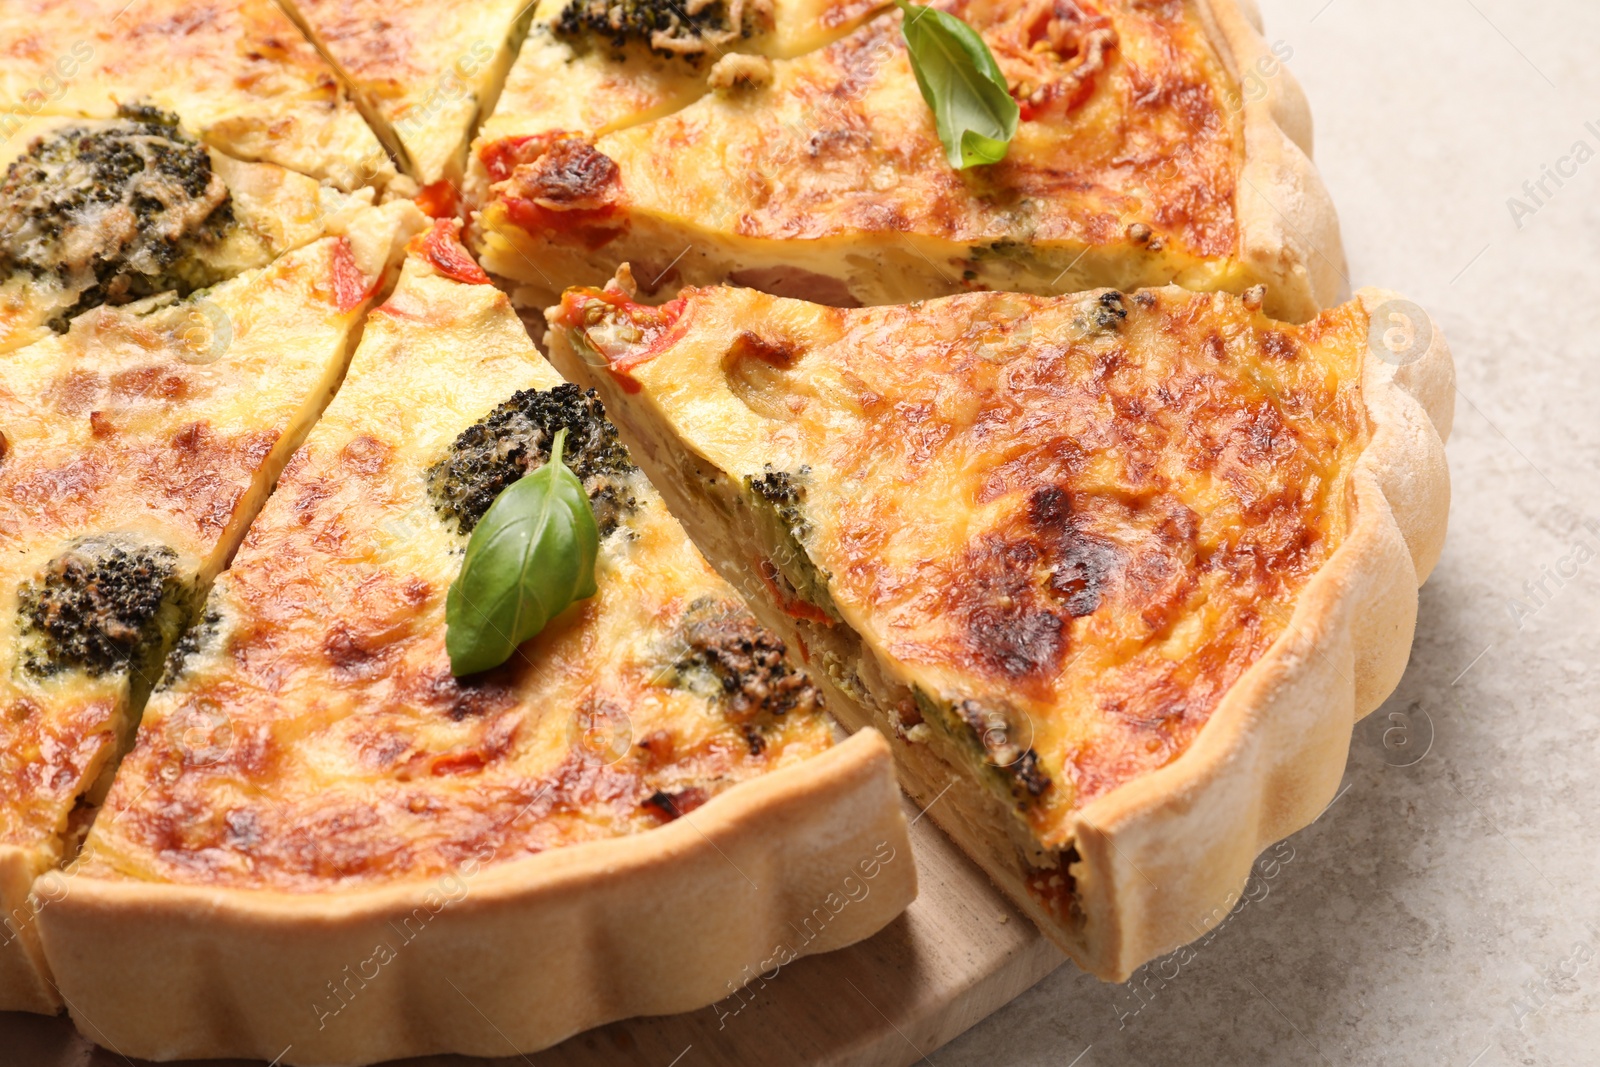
column 530, row 556
column 963, row 85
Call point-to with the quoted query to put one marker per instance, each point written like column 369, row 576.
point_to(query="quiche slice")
column 589, row 67
column 1116, row 572
column 1158, row 143
column 237, row 72
column 96, row 211
column 134, row 450
column 422, row 73
column 323, row 846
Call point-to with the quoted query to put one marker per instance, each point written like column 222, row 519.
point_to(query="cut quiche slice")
column 134, row 450
column 1117, row 573
column 237, row 72
column 589, row 67
column 323, row 846
column 1158, row 143
column 96, row 211
column 423, row 73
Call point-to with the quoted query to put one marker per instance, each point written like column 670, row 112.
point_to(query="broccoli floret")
column 195, row 638
column 515, row 438
column 777, row 499
column 783, row 493
column 113, row 210
column 993, row 732
column 99, row 607
column 725, row 655
column 748, row 662
column 1109, row 311
column 666, row 26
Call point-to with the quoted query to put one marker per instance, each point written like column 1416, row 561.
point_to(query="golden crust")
column 1141, row 160
column 1117, row 499
column 541, row 947
column 235, row 71
column 1288, row 229
column 311, row 768
column 23, row 982
column 1165, row 859
column 1287, row 703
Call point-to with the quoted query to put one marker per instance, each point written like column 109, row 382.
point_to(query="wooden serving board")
column 957, row 954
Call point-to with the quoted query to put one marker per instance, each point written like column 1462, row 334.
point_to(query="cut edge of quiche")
column 423, row 112
column 240, row 73
column 554, row 206
column 228, row 948
column 1158, row 857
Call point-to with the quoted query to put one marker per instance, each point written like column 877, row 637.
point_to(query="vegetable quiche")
column 422, row 72
column 589, row 67
column 1158, row 143
column 1116, row 572
column 618, row 821
column 1055, row 472
column 236, row 72
column 134, row 450
column 96, row 211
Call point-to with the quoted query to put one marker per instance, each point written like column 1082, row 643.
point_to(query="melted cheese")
column 831, row 183
column 235, row 71
column 316, row 737
column 1067, row 525
column 426, row 71
column 164, row 424
column 583, row 84
column 564, row 85
column 273, row 209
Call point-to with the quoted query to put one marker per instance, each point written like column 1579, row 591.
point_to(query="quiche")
column 96, row 211
column 588, row 67
column 134, row 450
column 236, row 72
column 326, row 847
column 422, row 73
column 1116, row 572
column 1158, row 143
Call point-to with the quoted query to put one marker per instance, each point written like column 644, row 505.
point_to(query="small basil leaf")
column 963, row 85
column 530, row 556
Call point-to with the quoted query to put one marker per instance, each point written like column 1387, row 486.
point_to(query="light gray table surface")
column 1444, row 909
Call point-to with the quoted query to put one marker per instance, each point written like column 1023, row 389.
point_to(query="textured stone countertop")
column 1443, row 910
